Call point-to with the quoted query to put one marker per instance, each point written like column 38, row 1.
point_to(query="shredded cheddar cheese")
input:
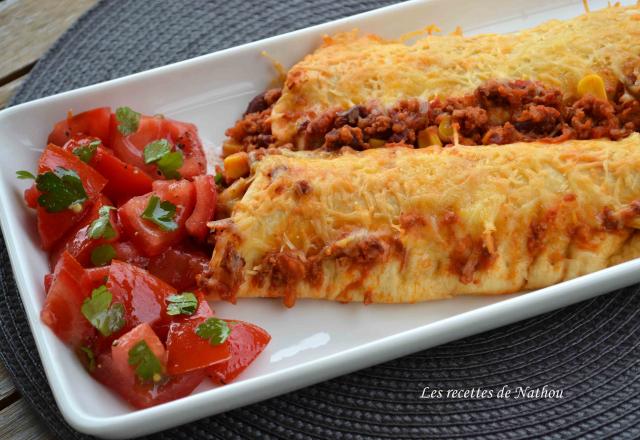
column 404, row 225
column 350, row 69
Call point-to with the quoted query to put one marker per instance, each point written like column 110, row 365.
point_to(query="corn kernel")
column 236, row 166
column 592, row 85
column 230, row 147
column 445, row 129
column 428, row 137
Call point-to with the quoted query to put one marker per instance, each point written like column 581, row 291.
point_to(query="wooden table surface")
column 27, row 29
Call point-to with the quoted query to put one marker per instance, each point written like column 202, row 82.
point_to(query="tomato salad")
column 122, row 203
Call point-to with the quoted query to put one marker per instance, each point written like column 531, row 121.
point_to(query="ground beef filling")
column 496, row 113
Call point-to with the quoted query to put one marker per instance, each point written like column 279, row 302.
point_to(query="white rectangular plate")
column 315, row 340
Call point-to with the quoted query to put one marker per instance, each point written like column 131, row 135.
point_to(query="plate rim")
column 445, row 330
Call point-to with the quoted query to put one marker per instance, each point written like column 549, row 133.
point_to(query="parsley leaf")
column 148, row 366
column 184, row 304
column 161, row 213
column 90, row 358
column 102, row 255
column 128, row 120
column 155, row 150
column 102, row 227
column 168, row 162
column 86, row 152
column 61, row 189
column 215, row 330
column 23, row 174
column 106, row 317
column 218, row 178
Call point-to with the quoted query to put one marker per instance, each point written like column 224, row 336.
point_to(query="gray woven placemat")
column 590, row 350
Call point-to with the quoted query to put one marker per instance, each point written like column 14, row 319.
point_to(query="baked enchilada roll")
column 452, row 165
column 573, row 79
column 396, row 225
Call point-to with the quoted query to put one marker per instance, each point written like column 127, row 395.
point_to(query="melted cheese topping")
column 403, row 225
column 349, row 69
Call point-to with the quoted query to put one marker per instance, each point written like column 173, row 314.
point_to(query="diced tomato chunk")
column 203, row 311
column 122, row 345
column 179, row 266
column 181, row 135
column 31, row 195
column 48, row 280
column 148, row 237
column 188, row 352
column 54, row 157
column 205, row 208
column 125, row 180
column 142, row 295
column 95, row 122
column 143, row 395
column 98, row 275
column 61, row 312
column 185, row 137
column 53, row 225
column 246, row 342
column 128, row 253
column 77, row 241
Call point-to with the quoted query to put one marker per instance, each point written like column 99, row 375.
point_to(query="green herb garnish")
column 106, row 317
column 128, row 120
column 156, row 150
column 86, row 152
column 23, row 174
column 184, row 304
column 168, row 162
column 148, row 366
column 215, row 330
column 161, row 213
column 61, row 189
column 102, row 255
column 102, row 227
column 90, row 358
column 218, row 178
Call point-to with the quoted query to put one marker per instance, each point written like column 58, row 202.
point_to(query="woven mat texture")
column 589, row 350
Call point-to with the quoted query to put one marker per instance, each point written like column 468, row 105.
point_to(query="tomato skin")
column 189, row 352
column 61, row 312
column 125, row 180
column 142, row 295
column 31, row 195
column 77, row 241
column 53, row 225
column 205, row 208
column 127, row 252
column 130, row 148
column 94, row 122
column 140, row 395
column 54, row 156
column 185, row 136
column 203, row 311
column 148, row 237
column 98, row 275
column 48, row 281
column 246, row 342
column 182, row 135
column 122, row 345
column 179, row 266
